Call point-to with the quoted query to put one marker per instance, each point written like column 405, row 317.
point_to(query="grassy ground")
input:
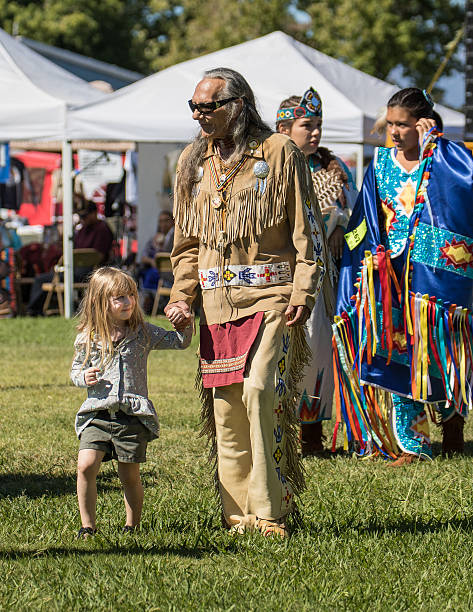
column 371, row 539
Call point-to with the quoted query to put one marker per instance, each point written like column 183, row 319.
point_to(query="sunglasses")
column 205, row 108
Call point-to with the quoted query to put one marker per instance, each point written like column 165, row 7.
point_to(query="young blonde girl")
column 117, row 420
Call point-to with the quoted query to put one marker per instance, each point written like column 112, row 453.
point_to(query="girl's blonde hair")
column 95, row 320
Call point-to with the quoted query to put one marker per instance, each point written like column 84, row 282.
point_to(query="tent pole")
column 68, row 235
column 359, row 166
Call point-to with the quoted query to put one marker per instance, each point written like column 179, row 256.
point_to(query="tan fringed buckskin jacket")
column 273, row 223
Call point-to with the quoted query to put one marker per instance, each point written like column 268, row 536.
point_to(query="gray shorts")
column 120, row 436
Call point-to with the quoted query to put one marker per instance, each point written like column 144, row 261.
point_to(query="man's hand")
column 335, row 242
column 179, row 314
column 90, row 376
column 296, row 315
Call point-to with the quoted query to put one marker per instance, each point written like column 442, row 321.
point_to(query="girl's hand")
column 90, row 376
column 423, row 126
column 335, row 242
column 178, row 317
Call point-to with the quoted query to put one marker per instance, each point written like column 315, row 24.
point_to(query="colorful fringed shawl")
column 409, row 334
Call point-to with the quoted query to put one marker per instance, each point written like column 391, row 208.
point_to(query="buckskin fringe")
column 248, row 212
column 301, row 357
column 207, row 416
column 208, row 431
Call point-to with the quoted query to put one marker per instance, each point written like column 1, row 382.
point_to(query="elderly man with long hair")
column 244, row 204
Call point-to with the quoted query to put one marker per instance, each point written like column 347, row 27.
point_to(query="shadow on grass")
column 73, row 551
column 437, row 449
column 37, row 485
column 436, row 452
column 197, row 549
column 376, row 527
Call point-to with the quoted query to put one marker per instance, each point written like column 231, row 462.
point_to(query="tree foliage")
column 115, row 31
column 375, row 36
column 202, row 26
column 144, row 35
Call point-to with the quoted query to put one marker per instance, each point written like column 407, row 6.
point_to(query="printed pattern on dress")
column 443, row 249
column 411, row 426
column 281, row 375
column 316, row 235
column 397, row 191
column 310, row 407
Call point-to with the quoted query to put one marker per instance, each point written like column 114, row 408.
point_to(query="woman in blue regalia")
column 406, row 288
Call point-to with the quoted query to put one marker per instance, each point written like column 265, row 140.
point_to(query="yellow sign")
column 354, row 237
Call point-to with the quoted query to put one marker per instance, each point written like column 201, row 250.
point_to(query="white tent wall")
column 152, row 198
column 36, row 94
column 36, row 98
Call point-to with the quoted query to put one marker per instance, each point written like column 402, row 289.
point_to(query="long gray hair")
column 242, row 124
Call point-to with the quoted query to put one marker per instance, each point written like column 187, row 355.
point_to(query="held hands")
column 179, row 314
column 423, row 126
column 90, row 376
column 296, row 315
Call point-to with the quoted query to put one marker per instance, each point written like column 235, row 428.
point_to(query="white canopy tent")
column 36, row 94
column 276, row 66
column 36, row 97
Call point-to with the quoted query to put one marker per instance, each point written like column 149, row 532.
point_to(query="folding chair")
column 83, row 258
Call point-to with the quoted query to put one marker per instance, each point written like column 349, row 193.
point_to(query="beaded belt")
column 246, row 276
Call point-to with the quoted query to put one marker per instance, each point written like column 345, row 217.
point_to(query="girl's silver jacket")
column 123, row 380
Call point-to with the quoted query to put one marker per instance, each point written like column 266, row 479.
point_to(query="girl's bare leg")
column 88, row 466
column 129, row 474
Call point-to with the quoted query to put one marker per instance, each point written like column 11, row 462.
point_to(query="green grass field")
column 371, row 539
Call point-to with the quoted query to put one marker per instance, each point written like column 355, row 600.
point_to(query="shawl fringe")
column 438, row 335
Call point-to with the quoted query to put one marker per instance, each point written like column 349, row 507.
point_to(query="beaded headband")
column 310, row 105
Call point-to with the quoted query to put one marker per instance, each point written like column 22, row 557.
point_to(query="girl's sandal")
column 86, row 532
column 272, row 528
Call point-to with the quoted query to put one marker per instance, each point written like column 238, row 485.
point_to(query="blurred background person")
column 301, row 119
column 93, row 233
column 148, row 274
